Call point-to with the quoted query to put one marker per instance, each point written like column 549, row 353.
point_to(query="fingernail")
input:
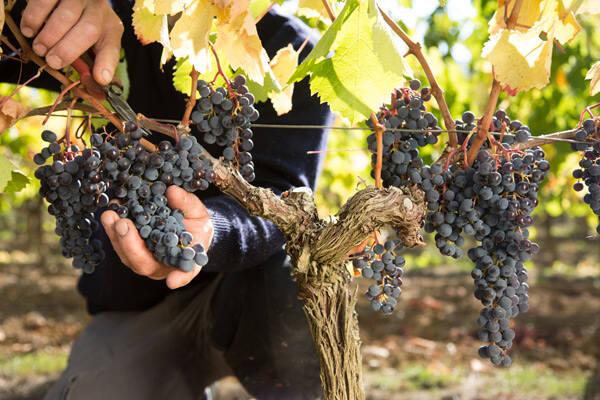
column 122, row 228
column 27, row 31
column 106, row 76
column 40, row 49
column 54, row 61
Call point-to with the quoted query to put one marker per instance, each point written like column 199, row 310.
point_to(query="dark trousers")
column 247, row 323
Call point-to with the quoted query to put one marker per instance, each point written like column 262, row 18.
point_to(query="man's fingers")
column 187, row 202
column 80, row 38
column 107, row 50
column 62, row 19
column 108, row 219
column 178, row 278
column 133, row 246
column 34, row 15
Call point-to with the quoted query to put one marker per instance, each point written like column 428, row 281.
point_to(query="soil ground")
column 426, row 350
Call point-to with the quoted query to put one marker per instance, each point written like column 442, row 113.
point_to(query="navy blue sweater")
column 280, row 159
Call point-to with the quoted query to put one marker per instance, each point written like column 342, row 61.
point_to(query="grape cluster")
column 384, row 265
column 511, row 131
column 224, row 116
column 119, row 173
column 588, row 173
column 408, row 127
column 72, row 184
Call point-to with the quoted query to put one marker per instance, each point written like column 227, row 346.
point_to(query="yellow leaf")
column 170, row 7
column 312, row 9
column 238, row 38
column 583, row 6
column 547, row 14
column 189, row 36
column 10, row 112
column 146, row 25
column 520, row 60
column 528, row 14
column 594, row 75
column 283, row 65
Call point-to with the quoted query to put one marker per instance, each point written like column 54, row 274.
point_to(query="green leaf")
column 11, row 179
column 262, row 92
column 182, row 81
column 366, row 65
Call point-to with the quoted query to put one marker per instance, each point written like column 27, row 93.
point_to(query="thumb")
column 188, row 203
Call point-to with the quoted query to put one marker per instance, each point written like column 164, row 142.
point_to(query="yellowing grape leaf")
column 170, row 7
column 520, row 60
column 189, row 36
column 528, row 15
column 312, row 9
column 283, row 65
column 583, row 6
column 10, row 112
column 594, row 75
column 238, row 38
column 547, row 14
column 357, row 63
column 146, row 25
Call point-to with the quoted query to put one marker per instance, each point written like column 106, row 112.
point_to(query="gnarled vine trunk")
column 318, row 249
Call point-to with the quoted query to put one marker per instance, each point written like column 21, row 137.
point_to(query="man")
column 160, row 333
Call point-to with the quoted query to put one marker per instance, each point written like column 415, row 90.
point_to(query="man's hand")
column 133, row 251
column 65, row 29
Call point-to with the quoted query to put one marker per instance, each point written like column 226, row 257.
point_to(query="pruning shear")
column 113, row 92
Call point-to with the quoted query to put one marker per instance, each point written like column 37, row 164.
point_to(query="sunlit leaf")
column 594, row 75
column 189, row 36
column 520, row 60
column 312, row 9
column 146, row 25
column 357, row 63
column 283, row 65
column 238, row 39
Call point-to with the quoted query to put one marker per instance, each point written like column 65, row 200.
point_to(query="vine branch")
column 329, row 10
column 414, row 48
column 189, row 107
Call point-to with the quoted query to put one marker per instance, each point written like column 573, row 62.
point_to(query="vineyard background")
column 427, row 349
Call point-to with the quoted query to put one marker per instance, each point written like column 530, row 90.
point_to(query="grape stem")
column 37, row 75
column 220, row 70
column 414, row 48
column 329, row 10
column 58, row 99
column 379, row 135
column 493, row 98
column 189, row 107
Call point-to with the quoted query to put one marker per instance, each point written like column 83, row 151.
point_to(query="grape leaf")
column 594, row 75
column 238, row 39
column 312, row 9
column 11, row 179
column 10, row 112
column 357, row 63
column 189, row 36
column 258, row 7
column 520, row 60
column 262, row 92
column 283, row 65
column 146, row 25
column 551, row 14
column 170, row 7
column 585, row 6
